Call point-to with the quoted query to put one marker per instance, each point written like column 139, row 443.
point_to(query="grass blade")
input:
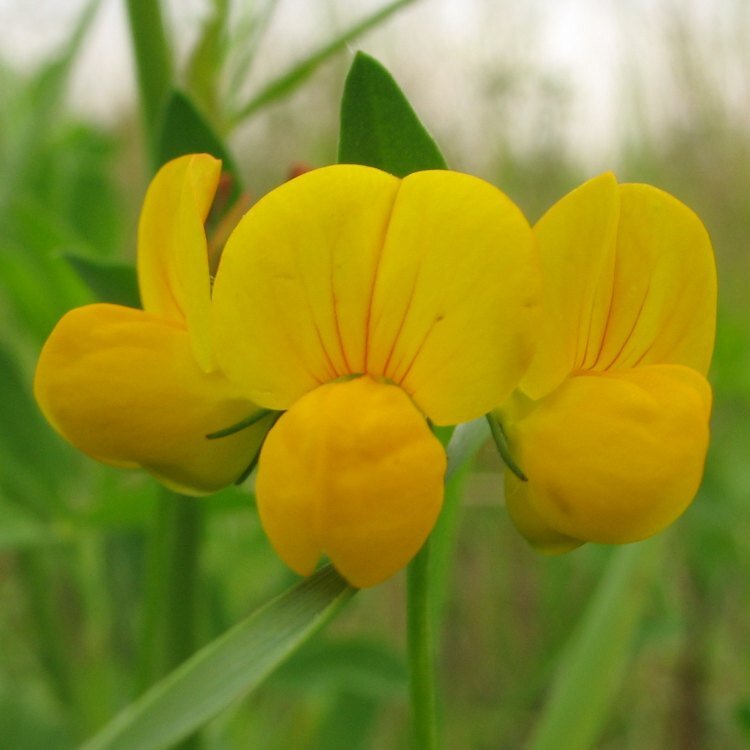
column 288, row 81
column 226, row 669
column 593, row 662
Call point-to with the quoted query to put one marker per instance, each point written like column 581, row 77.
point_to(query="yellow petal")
column 292, row 294
column 664, row 299
column 122, row 386
column 172, row 250
column 628, row 278
column 455, row 300
column 430, row 282
column 611, row 457
column 577, row 239
column 352, row 471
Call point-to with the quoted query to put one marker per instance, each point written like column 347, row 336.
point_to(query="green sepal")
column 249, row 421
column 501, row 441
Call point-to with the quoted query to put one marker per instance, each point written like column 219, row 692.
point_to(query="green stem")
column 153, row 63
column 172, row 579
column 421, row 649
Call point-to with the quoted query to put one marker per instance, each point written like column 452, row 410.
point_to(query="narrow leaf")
column 592, row 664
column 226, row 669
column 379, row 128
column 290, row 80
column 109, row 281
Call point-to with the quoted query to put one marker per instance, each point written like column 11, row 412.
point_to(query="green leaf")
column 184, row 130
column 290, row 80
column 592, row 664
column 227, row 669
column 379, row 128
column 108, row 280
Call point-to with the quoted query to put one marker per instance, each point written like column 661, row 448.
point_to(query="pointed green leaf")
column 108, row 280
column 379, row 128
column 226, row 669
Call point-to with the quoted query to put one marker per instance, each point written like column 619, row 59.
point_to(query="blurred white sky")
column 447, row 54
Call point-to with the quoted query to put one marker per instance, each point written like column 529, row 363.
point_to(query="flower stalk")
column 421, row 650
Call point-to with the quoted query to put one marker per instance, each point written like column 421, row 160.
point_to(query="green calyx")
column 501, row 441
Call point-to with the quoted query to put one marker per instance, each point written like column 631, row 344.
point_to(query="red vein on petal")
column 632, row 330
column 375, row 275
column 397, row 334
column 605, row 331
column 334, row 302
column 429, row 331
column 332, row 369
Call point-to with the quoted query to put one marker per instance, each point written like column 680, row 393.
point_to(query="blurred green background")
column 532, row 98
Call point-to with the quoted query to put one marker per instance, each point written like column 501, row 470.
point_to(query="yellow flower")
column 140, row 388
column 360, row 304
column 610, row 422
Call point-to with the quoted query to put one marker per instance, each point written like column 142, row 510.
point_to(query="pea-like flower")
column 610, row 423
column 360, row 305
column 142, row 388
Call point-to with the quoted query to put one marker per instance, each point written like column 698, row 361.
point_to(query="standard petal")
column 353, row 471
column 577, row 240
column 611, row 457
column 292, row 294
column 628, row 279
column 455, row 301
column 122, row 386
column 430, row 282
column 663, row 307
column 172, row 250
